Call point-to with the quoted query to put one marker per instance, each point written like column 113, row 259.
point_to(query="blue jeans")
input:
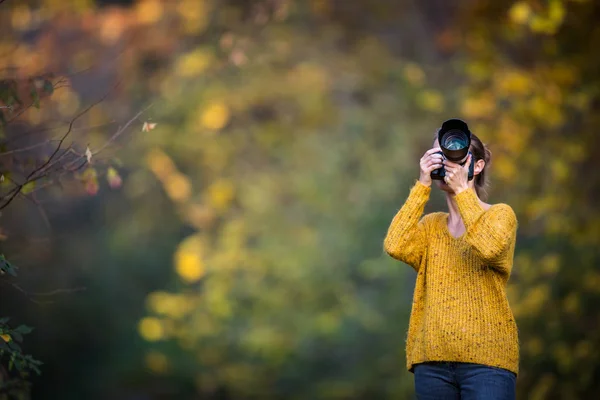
column 463, row 381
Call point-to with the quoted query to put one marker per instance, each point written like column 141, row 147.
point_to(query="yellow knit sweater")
column 460, row 311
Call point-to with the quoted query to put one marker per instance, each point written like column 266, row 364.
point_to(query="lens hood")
column 455, row 127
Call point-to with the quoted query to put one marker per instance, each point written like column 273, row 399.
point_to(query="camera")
column 455, row 139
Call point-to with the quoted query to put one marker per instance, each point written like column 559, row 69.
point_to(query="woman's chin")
column 444, row 187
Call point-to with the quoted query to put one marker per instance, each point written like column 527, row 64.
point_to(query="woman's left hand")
column 457, row 176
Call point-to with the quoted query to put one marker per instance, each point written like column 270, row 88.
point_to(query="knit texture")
column 460, row 312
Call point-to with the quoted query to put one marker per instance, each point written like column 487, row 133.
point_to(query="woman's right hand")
column 430, row 161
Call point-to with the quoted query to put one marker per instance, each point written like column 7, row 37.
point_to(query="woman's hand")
column 430, row 161
column 457, row 176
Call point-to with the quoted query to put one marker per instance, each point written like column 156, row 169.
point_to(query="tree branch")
column 49, row 293
column 69, row 131
column 120, row 131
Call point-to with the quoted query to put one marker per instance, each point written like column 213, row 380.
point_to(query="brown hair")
column 480, row 152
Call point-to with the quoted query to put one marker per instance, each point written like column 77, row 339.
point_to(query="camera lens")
column 455, row 140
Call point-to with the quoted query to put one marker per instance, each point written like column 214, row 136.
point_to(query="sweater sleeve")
column 492, row 232
column 406, row 238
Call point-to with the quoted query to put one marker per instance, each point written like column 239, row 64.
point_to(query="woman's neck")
column 453, row 211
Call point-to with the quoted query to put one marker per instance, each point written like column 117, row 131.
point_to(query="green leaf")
column 14, row 346
column 16, row 336
column 6, row 267
column 35, row 97
column 28, row 187
column 23, row 329
column 48, row 87
column 35, row 368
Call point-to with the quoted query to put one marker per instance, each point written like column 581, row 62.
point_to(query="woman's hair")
column 480, row 152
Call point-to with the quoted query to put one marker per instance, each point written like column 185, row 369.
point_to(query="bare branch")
column 41, row 172
column 34, row 146
column 13, row 193
column 53, row 128
column 69, row 131
column 121, row 130
column 50, row 293
column 60, row 161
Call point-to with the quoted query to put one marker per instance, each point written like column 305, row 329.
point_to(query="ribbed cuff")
column 469, row 206
column 415, row 203
column 420, row 190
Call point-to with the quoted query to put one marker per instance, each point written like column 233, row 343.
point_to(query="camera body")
column 454, row 138
column 440, row 173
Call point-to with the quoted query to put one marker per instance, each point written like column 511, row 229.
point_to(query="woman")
column 462, row 338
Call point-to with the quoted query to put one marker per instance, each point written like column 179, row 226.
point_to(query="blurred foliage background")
column 222, row 238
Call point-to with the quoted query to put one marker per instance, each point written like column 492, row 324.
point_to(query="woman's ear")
column 478, row 167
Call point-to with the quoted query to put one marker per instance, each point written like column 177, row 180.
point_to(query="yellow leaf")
column 478, row 70
column 560, row 169
column 158, row 302
column 6, row 337
column 195, row 14
column 514, row 83
column 189, row 263
column 151, row 329
column 148, row 11
column 536, row 299
column 217, row 298
column 520, row 12
column 160, row 163
column 178, row 187
column 556, row 11
column 220, row 194
column 193, row 63
column 431, row 100
column 167, row 304
column 505, row 168
column 478, row 106
column 215, row 116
